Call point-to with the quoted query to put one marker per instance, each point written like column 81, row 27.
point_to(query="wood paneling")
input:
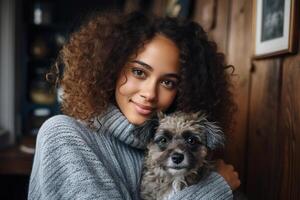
column 213, row 16
column 265, row 144
column 289, row 128
column 274, row 130
column 239, row 54
column 220, row 26
column 228, row 22
column 264, row 141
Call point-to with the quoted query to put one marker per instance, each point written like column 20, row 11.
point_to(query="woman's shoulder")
column 59, row 122
column 61, row 119
column 61, row 126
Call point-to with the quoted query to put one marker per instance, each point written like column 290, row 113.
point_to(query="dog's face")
column 182, row 140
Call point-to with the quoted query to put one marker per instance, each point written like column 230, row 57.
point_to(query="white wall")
column 7, row 67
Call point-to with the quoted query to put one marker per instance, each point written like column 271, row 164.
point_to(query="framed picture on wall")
column 178, row 8
column 275, row 27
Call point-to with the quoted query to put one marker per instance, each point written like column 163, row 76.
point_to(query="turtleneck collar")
column 115, row 123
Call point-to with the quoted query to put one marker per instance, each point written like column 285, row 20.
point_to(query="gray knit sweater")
column 73, row 161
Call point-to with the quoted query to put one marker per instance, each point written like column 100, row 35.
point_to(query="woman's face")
column 148, row 82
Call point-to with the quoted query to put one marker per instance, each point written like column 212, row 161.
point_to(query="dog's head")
column 182, row 140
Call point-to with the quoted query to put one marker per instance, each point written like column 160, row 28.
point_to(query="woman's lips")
column 142, row 109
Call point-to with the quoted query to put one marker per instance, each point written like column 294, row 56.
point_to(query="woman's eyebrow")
column 143, row 64
column 172, row 75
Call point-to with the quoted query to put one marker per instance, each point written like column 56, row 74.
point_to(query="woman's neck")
column 114, row 122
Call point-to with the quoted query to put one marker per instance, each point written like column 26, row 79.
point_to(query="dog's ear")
column 160, row 115
column 197, row 115
column 214, row 135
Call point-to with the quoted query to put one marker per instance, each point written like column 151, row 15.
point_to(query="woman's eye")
column 138, row 73
column 168, row 84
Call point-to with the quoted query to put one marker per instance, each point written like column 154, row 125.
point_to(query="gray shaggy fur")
column 164, row 174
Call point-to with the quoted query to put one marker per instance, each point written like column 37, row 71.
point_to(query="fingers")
column 235, row 181
column 235, row 185
column 229, row 174
column 230, row 168
column 236, row 174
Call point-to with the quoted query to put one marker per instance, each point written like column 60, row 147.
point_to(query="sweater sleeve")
column 65, row 167
column 213, row 187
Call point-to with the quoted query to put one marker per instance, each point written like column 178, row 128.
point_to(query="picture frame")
column 178, row 8
column 275, row 27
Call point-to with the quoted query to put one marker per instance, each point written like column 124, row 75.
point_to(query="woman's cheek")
column 167, row 98
column 129, row 86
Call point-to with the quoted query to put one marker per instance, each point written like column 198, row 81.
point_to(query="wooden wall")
column 265, row 145
column 233, row 40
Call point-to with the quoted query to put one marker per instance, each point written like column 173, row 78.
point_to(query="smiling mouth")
column 142, row 109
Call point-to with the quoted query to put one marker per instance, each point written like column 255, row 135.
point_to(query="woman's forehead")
column 160, row 53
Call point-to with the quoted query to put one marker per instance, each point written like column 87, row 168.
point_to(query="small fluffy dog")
column 176, row 155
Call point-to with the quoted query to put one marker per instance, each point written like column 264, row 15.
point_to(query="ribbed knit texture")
column 73, row 161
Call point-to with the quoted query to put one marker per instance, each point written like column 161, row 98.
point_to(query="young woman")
column 119, row 70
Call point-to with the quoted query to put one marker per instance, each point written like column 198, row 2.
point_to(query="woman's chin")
column 135, row 115
column 137, row 120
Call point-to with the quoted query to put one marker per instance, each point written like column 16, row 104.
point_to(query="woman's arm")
column 66, row 167
column 211, row 187
column 217, row 186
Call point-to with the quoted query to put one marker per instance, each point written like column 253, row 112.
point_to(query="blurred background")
column 265, row 143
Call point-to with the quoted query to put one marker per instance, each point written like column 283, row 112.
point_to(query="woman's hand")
column 229, row 174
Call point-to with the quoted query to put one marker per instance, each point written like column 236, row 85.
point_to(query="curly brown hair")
column 96, row 53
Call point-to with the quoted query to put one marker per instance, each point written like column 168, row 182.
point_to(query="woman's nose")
column 149, row 91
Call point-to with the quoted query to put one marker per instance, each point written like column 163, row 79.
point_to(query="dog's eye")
column 192, row 140
column 163, row 140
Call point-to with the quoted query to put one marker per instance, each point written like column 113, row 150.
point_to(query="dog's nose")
column 177, row 158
